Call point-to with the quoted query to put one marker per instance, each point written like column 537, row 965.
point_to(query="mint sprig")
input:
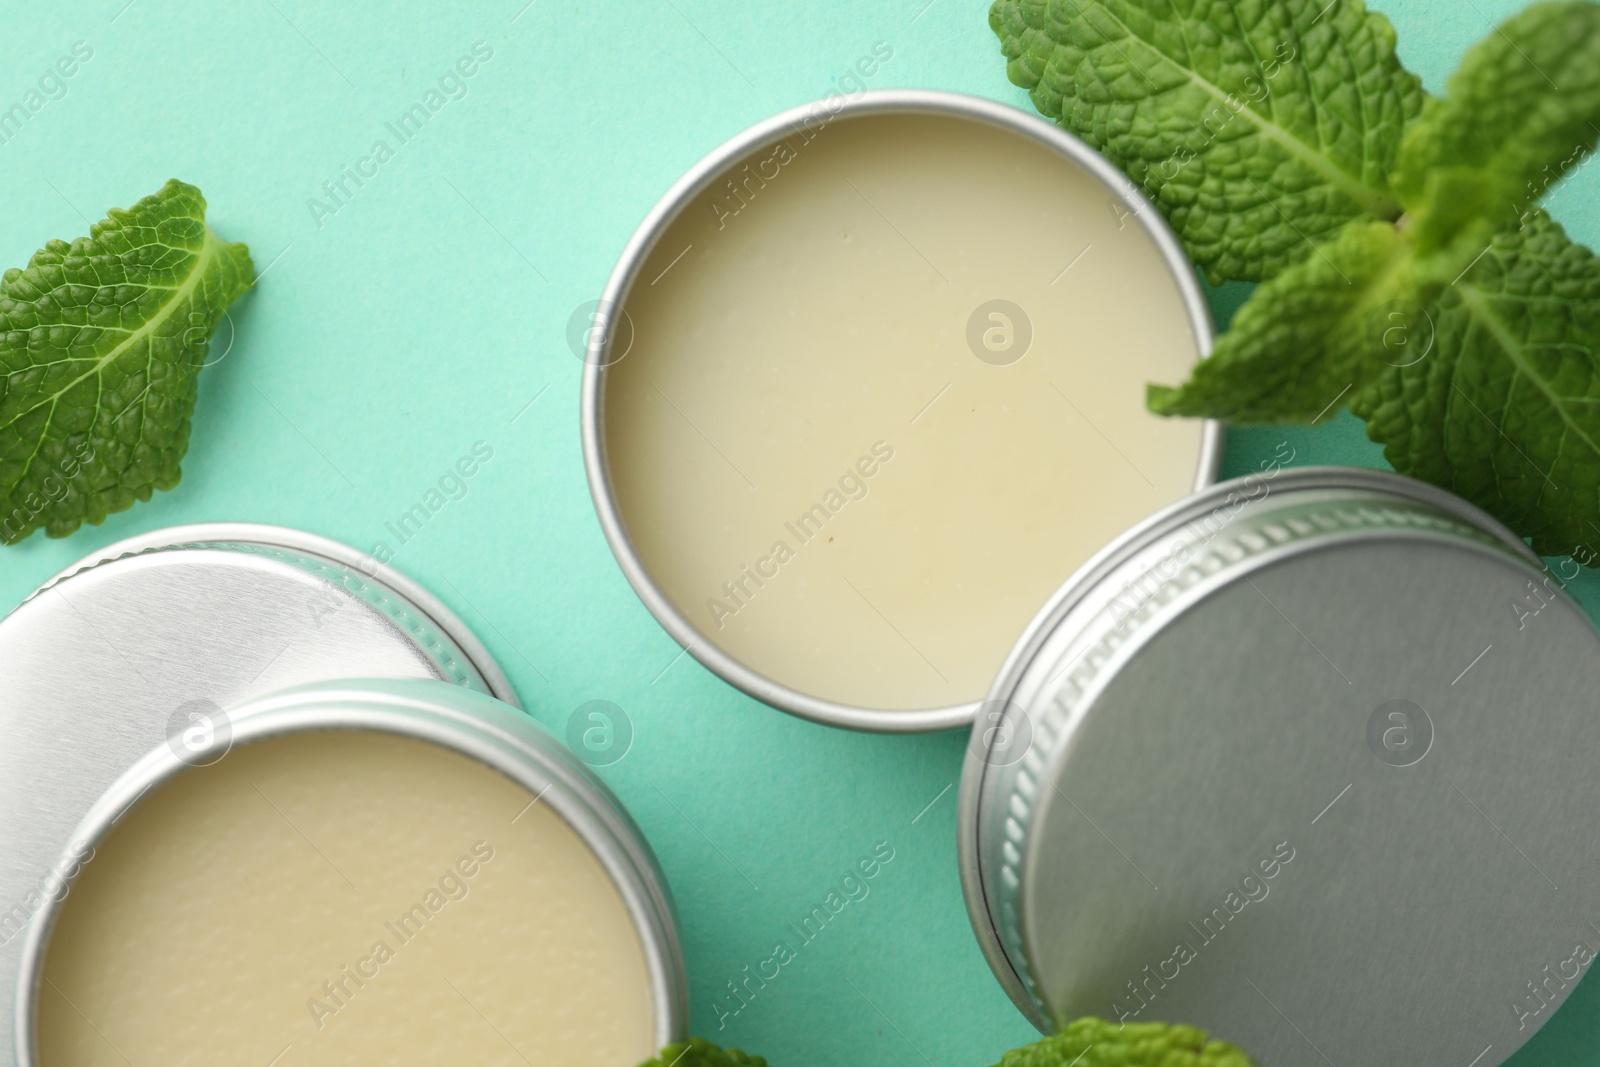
column 1449, row 312
column 101, row 343
column 1087, row 1042
column 1254, row 126
column 698, row 1052
column 1091, row 1042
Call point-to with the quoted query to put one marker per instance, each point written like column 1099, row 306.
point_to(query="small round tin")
column 1306, row 761
column 604, row 333
column 116, row 655
column 455, row 718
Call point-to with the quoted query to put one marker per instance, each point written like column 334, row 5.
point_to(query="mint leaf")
column 1305, row 338
column 1256, row 127
column 1126, row 1045
column 698, row 1052
column 1466, row 335
column 101, row 343
column 1328, row 325
column 1521, row 110
column 1122, row 1044
column 1505, row 408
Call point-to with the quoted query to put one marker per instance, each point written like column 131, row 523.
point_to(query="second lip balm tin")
column 139, row 662
column 561, row 942
column 1306, row 761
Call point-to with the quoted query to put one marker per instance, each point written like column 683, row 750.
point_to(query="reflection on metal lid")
column 1302, row 761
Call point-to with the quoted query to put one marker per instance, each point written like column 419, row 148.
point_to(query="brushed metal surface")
column 95, row 664
column 708, row 171
column 452, row 716
column 1189, row 733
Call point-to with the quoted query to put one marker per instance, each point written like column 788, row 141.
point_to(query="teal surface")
column 428, row 311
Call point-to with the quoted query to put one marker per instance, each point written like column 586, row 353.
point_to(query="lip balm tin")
column 1306, row 761
column 108, row 665
column 612, row 336
column 456, row 718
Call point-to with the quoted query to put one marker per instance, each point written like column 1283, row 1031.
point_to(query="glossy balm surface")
column 341, row 898
column 837, row 458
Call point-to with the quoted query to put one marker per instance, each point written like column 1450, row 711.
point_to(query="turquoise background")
column 427, row 312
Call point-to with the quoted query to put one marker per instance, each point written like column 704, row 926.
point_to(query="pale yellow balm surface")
column 811, row 460
column 344, row 898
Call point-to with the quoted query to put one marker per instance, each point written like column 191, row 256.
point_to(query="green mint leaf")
column 101, row 343
column 1504, row 407
column 1126, row 1045
column 1256, row 127
column 1521, row 110
column 1304, row 339
column 1458, row 199
column 1326, row 326
column 698, row 1052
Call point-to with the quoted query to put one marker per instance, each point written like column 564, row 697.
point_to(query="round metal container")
column 1306, row 761
column 455, row 718
column 609, row 340
column 106, row 660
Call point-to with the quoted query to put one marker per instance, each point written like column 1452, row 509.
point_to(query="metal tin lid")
column 107, row 659
column 456, row 718
column 1304, row 761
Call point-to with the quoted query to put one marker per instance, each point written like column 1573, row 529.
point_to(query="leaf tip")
column 1162, row 399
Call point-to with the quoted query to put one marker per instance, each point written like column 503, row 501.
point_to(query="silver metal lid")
column 107, row 659
column 454, row 717
column 1304, row 761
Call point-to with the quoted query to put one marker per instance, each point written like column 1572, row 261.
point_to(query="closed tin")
column 453, row 717
column 611, row 336
column 1305, row 761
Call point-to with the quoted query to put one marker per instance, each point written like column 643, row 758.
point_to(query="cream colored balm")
column 885, row 393
column 338, row 898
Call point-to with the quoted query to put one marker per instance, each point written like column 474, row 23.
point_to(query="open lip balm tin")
column 845, row 262
column 195, row 646
column 1304, row 761
column 459, row 721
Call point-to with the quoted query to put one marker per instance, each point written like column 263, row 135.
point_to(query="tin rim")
column 975, row 768
column 506, row 741
column 642, row 243
column 406, row 589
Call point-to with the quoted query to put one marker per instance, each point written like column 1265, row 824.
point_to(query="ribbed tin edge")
column 637, row 251
column 359, row 573
column 996, row 802
column 458, row 719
